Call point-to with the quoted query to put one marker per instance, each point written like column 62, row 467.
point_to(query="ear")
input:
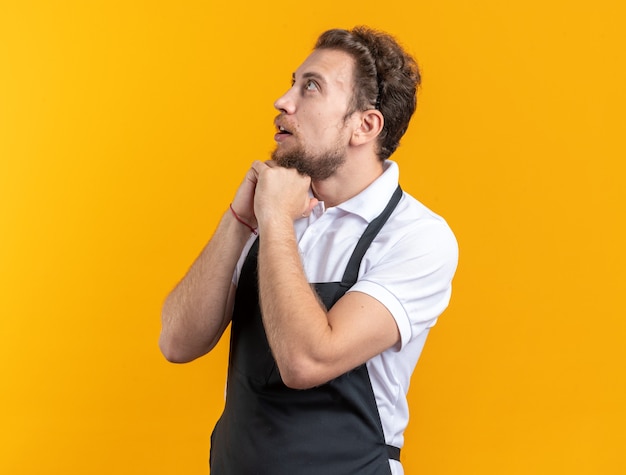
column 370, row 125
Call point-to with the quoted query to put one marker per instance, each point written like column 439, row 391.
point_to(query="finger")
column 258, row 166
column 252, row 175
column 313, row 202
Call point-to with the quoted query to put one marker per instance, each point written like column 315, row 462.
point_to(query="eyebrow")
column 310, row 75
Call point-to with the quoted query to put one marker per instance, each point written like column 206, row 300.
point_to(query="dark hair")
column 385, row 78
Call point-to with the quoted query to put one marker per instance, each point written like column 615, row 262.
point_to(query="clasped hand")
column 270, row 192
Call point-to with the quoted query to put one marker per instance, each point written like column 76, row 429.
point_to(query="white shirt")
column 408, row 268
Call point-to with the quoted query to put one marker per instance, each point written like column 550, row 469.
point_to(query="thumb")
column 313, row 202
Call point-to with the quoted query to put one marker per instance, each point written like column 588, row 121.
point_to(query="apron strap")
column 352, row 270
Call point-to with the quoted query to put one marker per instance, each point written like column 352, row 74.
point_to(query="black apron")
column 269, row 429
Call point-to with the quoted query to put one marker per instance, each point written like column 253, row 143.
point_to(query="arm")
column 310, row 345
column 198, row 310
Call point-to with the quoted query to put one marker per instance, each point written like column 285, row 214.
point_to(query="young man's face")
column 312, row 131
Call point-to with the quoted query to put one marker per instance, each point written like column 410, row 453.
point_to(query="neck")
column 352, row 178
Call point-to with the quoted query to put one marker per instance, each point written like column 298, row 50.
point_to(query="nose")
column 286, row 103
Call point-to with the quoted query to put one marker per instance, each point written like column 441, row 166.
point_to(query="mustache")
column 281, row 123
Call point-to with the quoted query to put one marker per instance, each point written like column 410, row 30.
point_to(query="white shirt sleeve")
column 413, row 277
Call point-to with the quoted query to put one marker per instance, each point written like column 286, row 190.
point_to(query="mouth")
column 282, row 130
column 282, row 133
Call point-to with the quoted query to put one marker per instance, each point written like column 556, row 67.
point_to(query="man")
column 331, row 303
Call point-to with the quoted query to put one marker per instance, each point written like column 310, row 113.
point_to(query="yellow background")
column 125, row 128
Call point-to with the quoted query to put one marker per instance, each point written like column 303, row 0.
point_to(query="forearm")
column 295, row 322
column 198, row 310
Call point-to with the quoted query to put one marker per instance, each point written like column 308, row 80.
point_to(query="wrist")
column 242, row 221
column 275, row 224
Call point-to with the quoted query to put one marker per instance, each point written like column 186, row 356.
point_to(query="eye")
column 310, row 85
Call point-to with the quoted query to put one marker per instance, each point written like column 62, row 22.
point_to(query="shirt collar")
column 370, row 202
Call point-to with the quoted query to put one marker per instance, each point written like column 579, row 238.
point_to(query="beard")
column 318, row 166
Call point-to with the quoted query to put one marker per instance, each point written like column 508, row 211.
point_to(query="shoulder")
column 416, row 230
column 410, row 266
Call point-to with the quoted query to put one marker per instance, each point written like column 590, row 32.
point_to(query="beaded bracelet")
column 254, row 231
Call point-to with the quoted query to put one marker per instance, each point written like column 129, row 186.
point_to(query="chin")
column 285, row 158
